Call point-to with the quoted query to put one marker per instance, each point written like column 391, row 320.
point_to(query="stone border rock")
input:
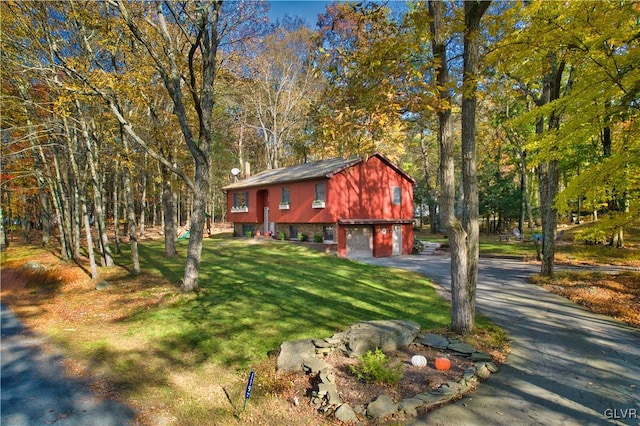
column 303, row 356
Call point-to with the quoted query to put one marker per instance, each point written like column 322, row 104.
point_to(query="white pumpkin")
column 418, row 360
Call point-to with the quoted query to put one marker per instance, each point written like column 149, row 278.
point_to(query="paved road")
column 35, row 390
column 568, row 366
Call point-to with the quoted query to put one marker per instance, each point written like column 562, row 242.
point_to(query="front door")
column 396, row 249
column 266, row 220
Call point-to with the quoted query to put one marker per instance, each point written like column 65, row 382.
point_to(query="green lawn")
column 490, row 245
column 183, row 358
column 509, row 248
column 569, row 249
column 255, row 296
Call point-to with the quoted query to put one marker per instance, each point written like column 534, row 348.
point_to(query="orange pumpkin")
column 443, row 364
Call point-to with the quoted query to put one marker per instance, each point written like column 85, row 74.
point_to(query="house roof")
column 307, row 171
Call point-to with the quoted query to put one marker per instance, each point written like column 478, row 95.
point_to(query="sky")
column 307, row 9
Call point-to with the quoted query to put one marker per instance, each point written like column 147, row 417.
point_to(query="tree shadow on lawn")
column 254, row 297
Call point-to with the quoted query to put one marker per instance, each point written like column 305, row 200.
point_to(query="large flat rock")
column 387, row 335
column 292, row 355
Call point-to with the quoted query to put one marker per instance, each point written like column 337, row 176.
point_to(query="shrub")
column 249, row 234
column 303, row 237
column 282, row 236
column 317, row 238
column 375, row 367
column 592, row 236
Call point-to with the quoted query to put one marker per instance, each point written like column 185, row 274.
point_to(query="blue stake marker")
column 247, row 393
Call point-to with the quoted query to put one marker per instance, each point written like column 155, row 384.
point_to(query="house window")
column 320, row 193
column 284, row 200
column 240, row 202
column 328, row 232
column 319, row 197
column 397, row 195
column 241, row 199
column 246, row 228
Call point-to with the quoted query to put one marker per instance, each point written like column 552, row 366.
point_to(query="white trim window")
column 319, row 196
column 396, row 195
column 240, row 202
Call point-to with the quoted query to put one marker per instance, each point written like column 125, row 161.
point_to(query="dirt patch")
column 414, row 380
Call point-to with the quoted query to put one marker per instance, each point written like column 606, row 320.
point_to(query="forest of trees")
column 507, row 113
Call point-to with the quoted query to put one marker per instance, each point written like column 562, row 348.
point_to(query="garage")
column 364, row 238
column 359, row 242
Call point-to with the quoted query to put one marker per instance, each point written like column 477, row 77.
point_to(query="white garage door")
column 359, row 242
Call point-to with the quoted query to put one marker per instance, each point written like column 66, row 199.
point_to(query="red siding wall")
column 365, row 191
column 301, row 196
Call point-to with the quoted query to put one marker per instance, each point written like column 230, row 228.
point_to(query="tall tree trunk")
column 201, row 151
column 74, row 214
column 154, row 204
column 548, row 174
column 100, row 219
column 178, row 203
column 143, row 198
column 430, row 190
column 131, row 213
column 45, row 214
column 548, row 177
column 157, row 198
column 87, row 230
column 618, row 203
column 526, row 199
column 24, row 222
column 169, row 216
column 80, row 198
column 4, row 243
column 241, row 147
column 60, row 203
column 473, row 11
column 194, row 251
column 71, row 204
column 116, row 205
column 452, row 227
column 60, row 193
column 43, row 183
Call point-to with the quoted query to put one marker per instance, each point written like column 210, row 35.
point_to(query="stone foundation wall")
column 310, row 229
column 238, row 228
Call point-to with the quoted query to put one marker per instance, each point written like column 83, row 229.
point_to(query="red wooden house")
column 364, row 205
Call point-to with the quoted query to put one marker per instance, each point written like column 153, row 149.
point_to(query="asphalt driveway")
column 35, row 390
column 568, row 366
